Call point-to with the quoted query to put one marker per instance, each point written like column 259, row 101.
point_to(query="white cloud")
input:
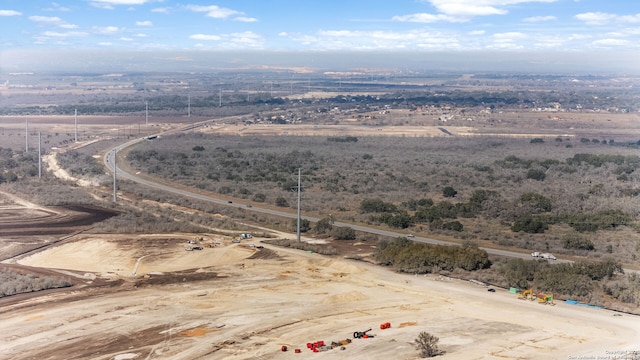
column 126, row 39
column 476, row 32
column 427, row 18
column 214, row 11
column 144, row 23
column 205, row 37
column 462, row 10
column 245, row 19
column 610, row 42
column 10, row 13
column 64, row 34
column 105, row 43
column 57, row 7
column 630, row 18
column 241, row 40
column 102, row 6
column 539, row 18
column 507, row 41
column 141, row 35
column 514, row 35
column 52, row 20
column 247, row 39
column 107, row 29
column 478, row 7
column 374, row 40
column 163, row 10
column 121, row 2
column 596, row 18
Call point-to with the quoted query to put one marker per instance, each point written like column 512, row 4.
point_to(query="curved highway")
column 109, row 161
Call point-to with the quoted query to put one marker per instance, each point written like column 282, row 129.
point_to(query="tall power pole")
column 298, row 205
column 146, row 116
column 189, row 107
column 76, row 124
column 26, row 135
column 115, row 168
column 39, row 155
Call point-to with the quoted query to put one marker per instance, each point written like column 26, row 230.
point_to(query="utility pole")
column 39, row 155
column 146, row 116
column 298, row 227
column 75, row 125
column 26, row 136
column 220, row 97
column 189, row 106
column 115, row 168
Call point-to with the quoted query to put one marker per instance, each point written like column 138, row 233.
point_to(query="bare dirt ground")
column 146, row 297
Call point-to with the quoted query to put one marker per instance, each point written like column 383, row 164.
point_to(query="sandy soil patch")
column 131, row 255
column 258, row 305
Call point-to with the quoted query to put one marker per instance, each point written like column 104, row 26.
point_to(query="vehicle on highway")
column 410, row 235
column 543, row 256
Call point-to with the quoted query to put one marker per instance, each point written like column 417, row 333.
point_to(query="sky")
column 391, row 26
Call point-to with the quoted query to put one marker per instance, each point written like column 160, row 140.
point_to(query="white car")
column 410, row 235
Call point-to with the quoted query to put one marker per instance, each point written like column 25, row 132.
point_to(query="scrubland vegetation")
column 12, row 283
column 468, row 189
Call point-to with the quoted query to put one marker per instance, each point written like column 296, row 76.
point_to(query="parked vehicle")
column 543, row 256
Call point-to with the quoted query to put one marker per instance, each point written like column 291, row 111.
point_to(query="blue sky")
column 321, row 25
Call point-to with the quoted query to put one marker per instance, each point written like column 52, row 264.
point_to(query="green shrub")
column 376, row 206
column 449, row 192
column 282, row 202
column 412, row 257
column 536, row 174
column 530, row 224
column 577, row 242
column 343, row 233
column 537, row 201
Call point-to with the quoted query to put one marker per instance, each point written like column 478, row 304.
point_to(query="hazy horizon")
column 74, row 60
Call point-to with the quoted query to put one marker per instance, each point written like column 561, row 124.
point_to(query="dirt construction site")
column 147, row 297
column 155, row 296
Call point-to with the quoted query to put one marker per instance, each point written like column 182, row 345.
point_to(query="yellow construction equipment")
column 526, row 295
column 545, row 299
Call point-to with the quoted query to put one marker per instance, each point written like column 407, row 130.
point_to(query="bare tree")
column 427, row 344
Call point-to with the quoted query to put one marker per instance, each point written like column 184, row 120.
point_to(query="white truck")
column 543, row 255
